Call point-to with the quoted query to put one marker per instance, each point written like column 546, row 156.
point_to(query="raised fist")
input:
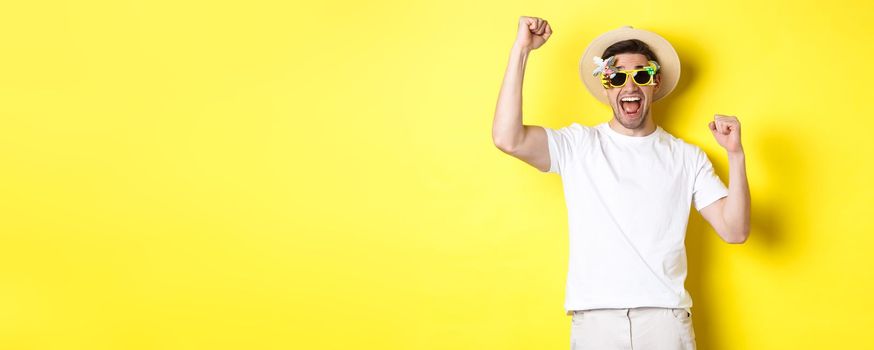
column 726, row 130
column 533, row 32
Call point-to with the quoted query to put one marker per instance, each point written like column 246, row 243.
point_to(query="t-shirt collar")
column 605, row 126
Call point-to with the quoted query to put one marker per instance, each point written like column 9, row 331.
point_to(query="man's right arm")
column 526, row 142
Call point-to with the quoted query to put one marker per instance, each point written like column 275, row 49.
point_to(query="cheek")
column 650, row 93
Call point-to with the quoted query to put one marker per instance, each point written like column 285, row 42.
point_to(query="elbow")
column 506, row 140
column 738, row 237
column 737, row 240
column 504, row 146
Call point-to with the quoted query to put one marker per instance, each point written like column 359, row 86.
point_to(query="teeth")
column 627, row 99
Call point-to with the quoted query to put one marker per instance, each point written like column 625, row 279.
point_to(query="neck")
column 646, row 128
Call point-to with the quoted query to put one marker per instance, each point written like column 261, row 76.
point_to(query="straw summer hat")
column 665, row 55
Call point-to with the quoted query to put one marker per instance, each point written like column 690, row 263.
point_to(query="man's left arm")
column 730, row 216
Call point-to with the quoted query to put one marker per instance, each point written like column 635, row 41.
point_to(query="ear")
column 658, row 82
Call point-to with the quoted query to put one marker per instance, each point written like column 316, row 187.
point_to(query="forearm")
column 507, row 129
column 737, row 206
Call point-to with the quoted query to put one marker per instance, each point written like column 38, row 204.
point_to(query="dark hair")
column 630, row 46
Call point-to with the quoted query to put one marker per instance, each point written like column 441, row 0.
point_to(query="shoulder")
column 687, row 149
column 574, row 131
column 580, row 128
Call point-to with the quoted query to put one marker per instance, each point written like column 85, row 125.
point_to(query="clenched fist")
column 726, row 130
column 533, row 32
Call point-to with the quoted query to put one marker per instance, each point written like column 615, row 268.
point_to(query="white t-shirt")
column 628, row 202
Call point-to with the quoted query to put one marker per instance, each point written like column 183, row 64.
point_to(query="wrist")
column 519, row 48
column 739, row 153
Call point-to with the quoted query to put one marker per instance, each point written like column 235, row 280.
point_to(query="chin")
column 631, row 123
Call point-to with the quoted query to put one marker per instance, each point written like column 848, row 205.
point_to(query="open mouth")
column 631, row 105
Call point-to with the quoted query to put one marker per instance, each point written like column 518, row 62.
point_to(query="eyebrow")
column 623, row 67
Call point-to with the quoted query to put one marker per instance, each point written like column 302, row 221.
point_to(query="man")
column 628, row 185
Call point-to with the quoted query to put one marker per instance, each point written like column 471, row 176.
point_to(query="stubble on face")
column 646, row 93
column 632, row 123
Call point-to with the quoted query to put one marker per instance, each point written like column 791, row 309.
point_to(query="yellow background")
column 321, row 175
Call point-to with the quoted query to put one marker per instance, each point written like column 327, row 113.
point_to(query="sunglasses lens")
column 618, row 79
column 642, row 77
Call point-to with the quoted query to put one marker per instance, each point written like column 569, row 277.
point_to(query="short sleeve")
column 563, row 145
column 707, row 187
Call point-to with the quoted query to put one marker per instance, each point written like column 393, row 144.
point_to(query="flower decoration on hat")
column 654, row 67
column 604, row 66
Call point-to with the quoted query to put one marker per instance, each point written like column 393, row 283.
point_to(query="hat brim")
column 668, row 60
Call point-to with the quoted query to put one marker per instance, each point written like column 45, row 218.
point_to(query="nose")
column 630, row 86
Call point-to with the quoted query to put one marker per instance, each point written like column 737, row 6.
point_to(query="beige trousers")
column 640, row 328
